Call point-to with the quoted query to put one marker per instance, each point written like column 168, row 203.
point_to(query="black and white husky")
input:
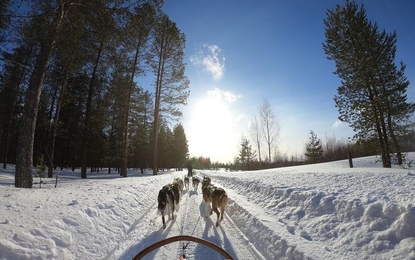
column 168, row 200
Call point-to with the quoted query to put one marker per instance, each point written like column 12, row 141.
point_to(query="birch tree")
column 254, row 131
column 270, row 127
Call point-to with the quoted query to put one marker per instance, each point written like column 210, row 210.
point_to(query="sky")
column 320, row 211
column 239, row 53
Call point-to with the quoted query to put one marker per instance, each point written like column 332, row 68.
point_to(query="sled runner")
column 169, row 240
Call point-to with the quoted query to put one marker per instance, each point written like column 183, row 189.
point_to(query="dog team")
column 170, row 196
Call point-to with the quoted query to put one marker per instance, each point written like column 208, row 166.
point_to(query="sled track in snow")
column 128, row 235
column 270, row 236
column 249, row 245
column 189, row 221
column 227, row 235
column 183, row 222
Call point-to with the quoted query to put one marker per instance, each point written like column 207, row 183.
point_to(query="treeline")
column 90, row 84
column 315, row 151
column 332, row 149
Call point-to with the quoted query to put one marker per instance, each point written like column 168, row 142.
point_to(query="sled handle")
column 169, row 240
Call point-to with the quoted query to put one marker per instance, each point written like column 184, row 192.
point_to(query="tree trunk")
column 51, row 150
column 155, row 130
column 8, row 127
column 7, row 133
column 380, row 128
column 349, row 155
column 24, row 158
column 157, row 108
column 387, row 163
column 124, row 164
column 394, row 139
column 88, row 113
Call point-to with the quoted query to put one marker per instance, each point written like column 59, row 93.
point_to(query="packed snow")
column 319, row 211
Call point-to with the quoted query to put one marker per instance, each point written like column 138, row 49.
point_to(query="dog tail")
column 223, row 199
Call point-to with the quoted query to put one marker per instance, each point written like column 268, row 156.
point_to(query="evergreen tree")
column 141, row 117
column 313, row 149
column 4, row 19
column 47, row 25
column 163, row 146
column 372, row 95
column 139, row 27
column 247, row 156
column 12, row 79
column 180, row 147
column 171, row 84
column 71, row 116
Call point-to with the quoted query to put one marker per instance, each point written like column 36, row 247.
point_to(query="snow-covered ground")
column 321, row 211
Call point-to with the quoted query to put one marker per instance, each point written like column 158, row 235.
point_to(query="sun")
column 210, row 128
column 209, row 110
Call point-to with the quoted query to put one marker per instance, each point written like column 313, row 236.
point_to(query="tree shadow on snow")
column 69, row 175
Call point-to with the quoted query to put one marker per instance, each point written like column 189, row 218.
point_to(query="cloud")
column 240, row 118
column 212, row 60
column 222, row 94
column 337, row 124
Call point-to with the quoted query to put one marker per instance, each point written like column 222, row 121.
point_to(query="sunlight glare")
column 211, row 130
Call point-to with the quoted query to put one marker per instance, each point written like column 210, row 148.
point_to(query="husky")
column 166, row 201
column 217, row 197
column 179, row 183
column 195, row 183
column 186, row 183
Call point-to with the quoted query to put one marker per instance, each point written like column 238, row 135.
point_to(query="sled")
column 169, row 240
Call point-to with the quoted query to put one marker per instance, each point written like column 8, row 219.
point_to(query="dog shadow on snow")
column 151, row 239
column 211, row 234
column 192, row 192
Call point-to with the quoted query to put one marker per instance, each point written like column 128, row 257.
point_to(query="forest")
column 91, row 84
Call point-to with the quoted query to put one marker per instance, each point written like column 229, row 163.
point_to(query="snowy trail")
column 189, row 220
column 192, row 222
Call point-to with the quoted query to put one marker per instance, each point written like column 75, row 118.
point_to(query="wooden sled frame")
column 169, row 240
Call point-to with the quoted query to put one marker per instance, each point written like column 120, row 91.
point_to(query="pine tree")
column 180, row 147
column 139, row 26
column 4, row 19
column 372, row 96
column 247, row 156
column 47, row 26
column 171, row 83
column 12, row 80
column 313, row 149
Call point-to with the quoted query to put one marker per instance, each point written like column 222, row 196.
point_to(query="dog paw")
column 164, row 226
